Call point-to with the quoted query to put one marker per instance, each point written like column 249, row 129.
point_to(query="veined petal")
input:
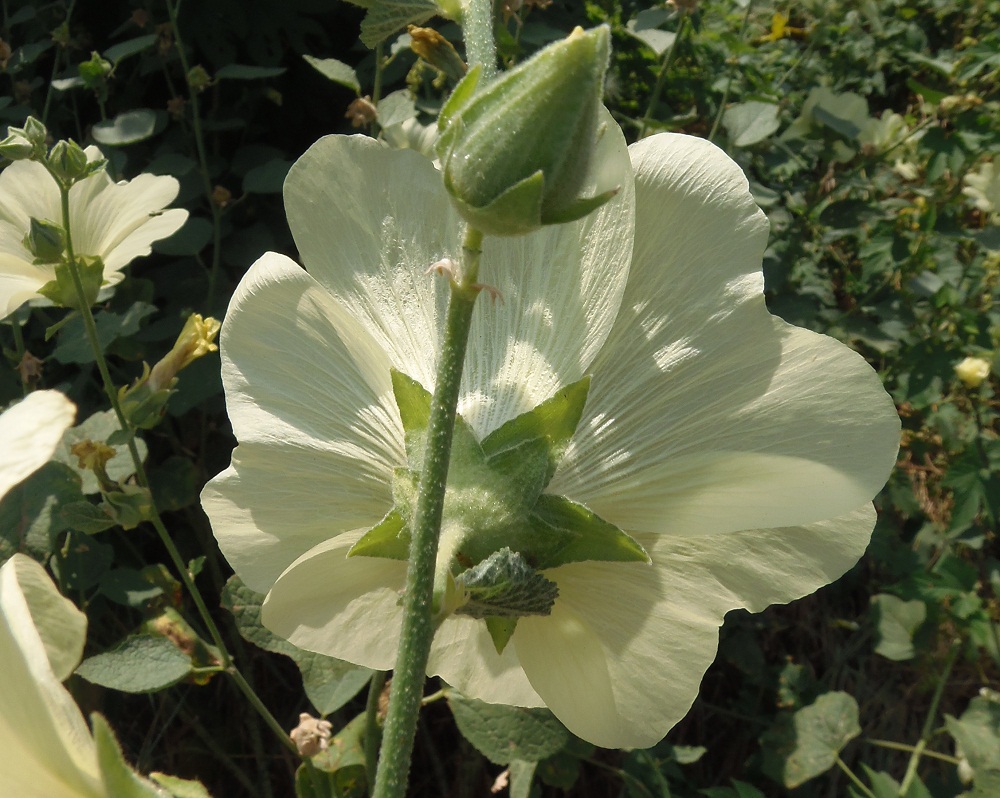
column 620, row 659
column 359, row 213
column 349, row 608
column 27, row 191
column 707, row 414
column 46, row 750
column 29, row 434
column 310, row 400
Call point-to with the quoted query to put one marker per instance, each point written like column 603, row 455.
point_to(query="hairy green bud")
column 45, row 240
column 515, row 153
column 68, row 161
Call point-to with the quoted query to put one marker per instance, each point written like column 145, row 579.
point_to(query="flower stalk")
column 418, row 625
column 90, row 330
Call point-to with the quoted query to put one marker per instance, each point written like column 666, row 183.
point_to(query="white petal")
column 310, row 400
column 19, row 281
column 29, row 434
column 359, row 213
column 707, row 414
column 620, row 659
column 46, row 750
column 349, row 608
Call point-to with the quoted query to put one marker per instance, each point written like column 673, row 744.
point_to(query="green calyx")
column 515, row 152
column 494, row 503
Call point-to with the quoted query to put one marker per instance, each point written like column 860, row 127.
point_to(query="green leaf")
column 505, row 585
column 337, row 71
column 180, row 788
column 504, row 734
column 117, row 777
column 138, row 664
column 645, row 26
column 389, row 539
column 192, row 237
column 329, row 683
column 31, row 512
column 806, row 744
column 895, row 622
column 73, row 346
column 100, row 427
column 268, row 178
column 82, row 561
column 750, row 122
column 129, row 127
column 246, row 72
column 977, row 732
column 86, row 517
column 128, row 587
column 131, row 47
column 386, row 17
column 521, row 775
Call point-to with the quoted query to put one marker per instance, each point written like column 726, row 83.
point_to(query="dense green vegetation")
column 870, row 133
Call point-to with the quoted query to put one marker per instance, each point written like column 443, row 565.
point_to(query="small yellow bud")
column 973, row 371
column 196, row 340
column 94, row 456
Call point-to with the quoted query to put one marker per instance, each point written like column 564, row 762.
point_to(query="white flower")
column 115, row 221
column 740, row 451
column 30, row 431
column 973, row 371
column 983, row 187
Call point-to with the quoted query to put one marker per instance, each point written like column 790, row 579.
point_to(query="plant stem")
column 173, row 11
column 894, row 746
column 927, row 732
column 854, row 779
column 729, row 79
column 661, row 77
column 90, row 329
column 477, row 30
column 418, row 626
column 371, row 727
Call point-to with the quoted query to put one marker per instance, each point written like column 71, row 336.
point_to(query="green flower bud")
column 16, row 148
column 25, row 142
column 515, row 154
column 68, row 161
column 35, row 131
column 46, row 241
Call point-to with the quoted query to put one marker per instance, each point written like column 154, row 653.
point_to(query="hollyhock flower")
column 30, row 431
column 973, row 371
column 982, row 187
column 114, row 221
column 741, row 452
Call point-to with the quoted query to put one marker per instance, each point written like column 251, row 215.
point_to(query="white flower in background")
column 30, row 431
column 983, row 187
column 973, row 371
column 740, row 451
column 115, row 221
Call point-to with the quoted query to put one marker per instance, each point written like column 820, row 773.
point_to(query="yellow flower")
column 973, row 371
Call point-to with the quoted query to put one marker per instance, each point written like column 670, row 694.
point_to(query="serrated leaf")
column 504, row 734
column 505, row 585
column 328, row 683
column 806, row 744
column 385, row 17
column 337, row 71
column 138, row 664
column 895, row 623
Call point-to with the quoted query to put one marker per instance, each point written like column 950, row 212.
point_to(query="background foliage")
column 856, row 124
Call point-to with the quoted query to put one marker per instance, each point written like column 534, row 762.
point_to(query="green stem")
column 984, row 457
column 927, row 732
column 894, row 746
column 173, row 11
column 661, row 78
column 418, row 626
column 729, row 79
column 55, row 68
column 477, row 30
column 19, row 348
column 141, row 478
column 854, row 779
column 371, row 727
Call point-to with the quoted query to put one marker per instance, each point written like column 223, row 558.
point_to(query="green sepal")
column 578, row 208
column 459, row 98
column 505, row 585
column 389, row 539
column 67, row 161
column 62, row 290
column 414, row 404
column 516, row 211
column 117, row 777
column 45, row 240
column 501, row 631
column 130, row 506
column 144, row 407
column 555, row 420
column 589, row 537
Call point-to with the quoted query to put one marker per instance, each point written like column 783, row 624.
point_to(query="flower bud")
column 68, row 161
column 196, row 340
column 973, row 371
column 45, row 240
column 515, row 153
column 16, row 148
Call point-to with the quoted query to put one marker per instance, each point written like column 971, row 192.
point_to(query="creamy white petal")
column 46, row 750
column 348, row 607
column 707, row 414
column 369, row 221
column 310, row 400
column 620, row 659
column 29, row 434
